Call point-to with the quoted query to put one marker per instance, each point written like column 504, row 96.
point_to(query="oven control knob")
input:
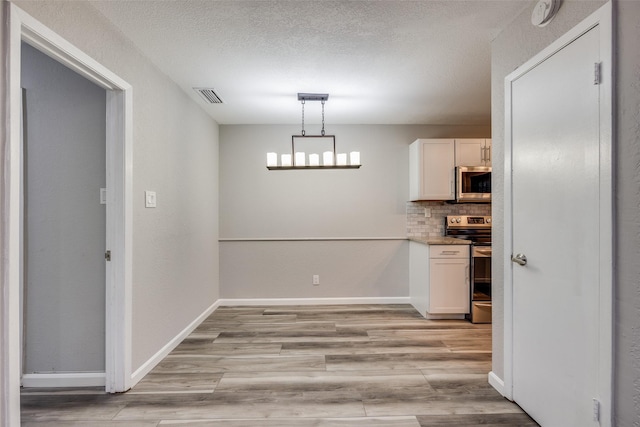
column 488, row 220
column 452, row 220
column 458, row 220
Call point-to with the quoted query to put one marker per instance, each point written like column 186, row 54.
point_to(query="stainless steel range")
column 478, row 230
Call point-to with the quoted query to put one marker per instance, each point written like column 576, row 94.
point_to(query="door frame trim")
column 119, row 156
column 603, row 17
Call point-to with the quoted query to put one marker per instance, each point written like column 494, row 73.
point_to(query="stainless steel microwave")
column 473, row 184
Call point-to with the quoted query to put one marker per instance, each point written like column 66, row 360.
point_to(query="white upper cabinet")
column 431, row 169
column 473, row 152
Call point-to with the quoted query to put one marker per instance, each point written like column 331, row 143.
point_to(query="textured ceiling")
column 382, row 62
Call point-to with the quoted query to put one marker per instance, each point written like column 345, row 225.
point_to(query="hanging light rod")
column 298, row 159
column 313, row 96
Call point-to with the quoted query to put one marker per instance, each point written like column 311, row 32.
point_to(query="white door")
column 555, row 223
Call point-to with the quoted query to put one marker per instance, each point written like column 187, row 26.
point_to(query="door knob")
column 519, row 259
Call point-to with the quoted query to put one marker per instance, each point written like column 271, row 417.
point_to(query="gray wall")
column 368, row 203
column 175, row 153
column 64, row 232
column 517, row 43
column 627, row 158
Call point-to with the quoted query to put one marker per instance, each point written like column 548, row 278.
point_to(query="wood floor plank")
column 362, row 362
column 296, row 336
column 182, row 382
column 230, row 327
column 211, row 347
column 177, row 364
column 66, row 407
column 364, row 347
column 404, row 421
column 152, row 423
column 254, row 405
column 323, row 381
column 474, row 420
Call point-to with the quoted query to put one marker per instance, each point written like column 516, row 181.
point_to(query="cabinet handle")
column 488, row 156
column 482, row 154
column 449, row 252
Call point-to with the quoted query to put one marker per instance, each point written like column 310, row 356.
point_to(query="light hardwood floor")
column 303, row 366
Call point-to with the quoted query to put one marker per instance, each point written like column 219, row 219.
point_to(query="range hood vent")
column 208, row 95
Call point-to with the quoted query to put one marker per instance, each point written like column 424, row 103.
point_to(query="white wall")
column 175, row 255
column 357, row 217
column 514, row 46
column 64, row 222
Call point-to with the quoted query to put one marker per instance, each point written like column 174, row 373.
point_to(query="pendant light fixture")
column 298, row 159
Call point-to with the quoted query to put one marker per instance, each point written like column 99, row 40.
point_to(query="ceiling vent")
column 208, row 95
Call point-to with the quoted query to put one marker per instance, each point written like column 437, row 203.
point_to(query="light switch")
column 150, row 199
column 103, row 196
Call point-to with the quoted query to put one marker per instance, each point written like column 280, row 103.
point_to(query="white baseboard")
column 65, row 379
column 230, row 302
column 496, row 382
column 164, row 351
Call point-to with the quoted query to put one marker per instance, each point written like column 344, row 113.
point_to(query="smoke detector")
column 544, row 11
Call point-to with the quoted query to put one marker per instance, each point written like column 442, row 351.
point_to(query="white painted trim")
column 164, row 351
column 603, row 17
column 64, row 379
column 11, row 224
column 496, row 383
column 507, row 290
column 22, row 26
column 232, row 302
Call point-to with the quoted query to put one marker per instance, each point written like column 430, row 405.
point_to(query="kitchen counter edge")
column 440, row 241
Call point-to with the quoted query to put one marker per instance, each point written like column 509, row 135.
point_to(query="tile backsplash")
column 421, row 227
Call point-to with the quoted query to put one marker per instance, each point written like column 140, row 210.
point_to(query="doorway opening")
column 64, row 225
column 118, row 159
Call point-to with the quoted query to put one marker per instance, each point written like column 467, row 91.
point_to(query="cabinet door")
column 448, row 286
column 470, row 152
column 432, row 167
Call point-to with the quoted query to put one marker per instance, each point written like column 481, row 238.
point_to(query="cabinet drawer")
column 481, row 311
column 448, row 251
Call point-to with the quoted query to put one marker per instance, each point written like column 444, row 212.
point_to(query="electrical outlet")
column 427, row 213
column 316, row 279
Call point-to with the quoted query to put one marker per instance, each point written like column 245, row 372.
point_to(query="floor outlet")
column 316, row 279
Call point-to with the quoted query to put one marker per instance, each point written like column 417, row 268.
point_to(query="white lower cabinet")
column 439, row 279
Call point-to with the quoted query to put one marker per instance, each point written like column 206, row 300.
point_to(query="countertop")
column 440, row 241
